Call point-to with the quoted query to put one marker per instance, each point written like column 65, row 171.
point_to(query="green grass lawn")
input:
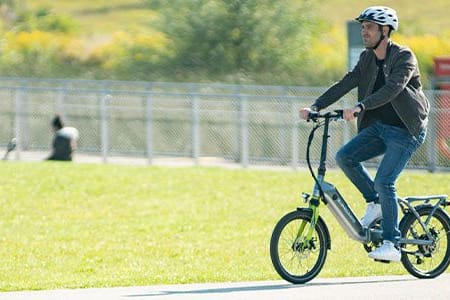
column 68, row 225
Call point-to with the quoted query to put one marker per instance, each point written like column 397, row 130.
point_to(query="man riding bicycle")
column 392, row 118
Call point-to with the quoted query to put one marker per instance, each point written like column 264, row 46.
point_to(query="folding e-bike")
column 300, row 239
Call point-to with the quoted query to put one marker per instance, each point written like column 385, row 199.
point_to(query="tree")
column 229, row 36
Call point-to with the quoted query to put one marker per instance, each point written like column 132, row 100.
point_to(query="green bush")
column 44, row 20
column 40, row 54
column 133, row 56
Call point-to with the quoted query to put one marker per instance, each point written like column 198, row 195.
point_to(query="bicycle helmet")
column 381, row 15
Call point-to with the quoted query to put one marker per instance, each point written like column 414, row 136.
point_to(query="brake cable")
column 308, row 159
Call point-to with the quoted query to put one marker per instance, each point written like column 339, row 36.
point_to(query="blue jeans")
column 397, row 145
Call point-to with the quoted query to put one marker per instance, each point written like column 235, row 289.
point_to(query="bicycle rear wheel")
column 296, row 258
column 426, row 261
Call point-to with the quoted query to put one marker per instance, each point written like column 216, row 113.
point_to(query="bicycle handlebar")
column 332, row 115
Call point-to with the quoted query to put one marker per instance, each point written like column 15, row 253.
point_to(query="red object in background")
column 443, row 118
column 442, row 69
column 444, row 110
column 442, row 66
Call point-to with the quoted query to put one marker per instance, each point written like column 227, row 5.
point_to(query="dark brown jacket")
column 403, row 87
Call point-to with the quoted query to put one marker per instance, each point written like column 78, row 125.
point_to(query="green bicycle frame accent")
column 314, row 206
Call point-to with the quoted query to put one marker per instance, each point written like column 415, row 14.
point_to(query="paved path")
column 382, row 287
column 35, row 156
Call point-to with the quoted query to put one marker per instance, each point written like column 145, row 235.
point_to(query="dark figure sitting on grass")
column 64, row 141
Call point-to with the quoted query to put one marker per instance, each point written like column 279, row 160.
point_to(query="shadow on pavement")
column 242, row 288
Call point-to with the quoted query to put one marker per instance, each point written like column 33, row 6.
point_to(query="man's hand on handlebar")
column 351, row 113
column 348, row 114
column 304, row 113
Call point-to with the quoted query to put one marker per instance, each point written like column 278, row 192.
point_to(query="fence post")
column 432, row 133
column 243, row 132
column 294, row 135
column 104, row 126
column 283, row 128
column 195, row 128
column 149, row 132
column 60, row 102
column 237, row 136
column 346, row 126
column 17, row 122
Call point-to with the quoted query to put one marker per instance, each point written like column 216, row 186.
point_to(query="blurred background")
column 196, row 78
column 287, row 42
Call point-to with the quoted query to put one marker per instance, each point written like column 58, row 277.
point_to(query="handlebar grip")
column 313, row 115
column 336, row 115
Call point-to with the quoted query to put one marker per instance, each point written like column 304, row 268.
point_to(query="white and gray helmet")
column 381, row 15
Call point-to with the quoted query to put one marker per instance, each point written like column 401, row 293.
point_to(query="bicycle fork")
column 304, row 240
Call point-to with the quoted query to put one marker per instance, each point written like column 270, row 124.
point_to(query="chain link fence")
column 239, row 124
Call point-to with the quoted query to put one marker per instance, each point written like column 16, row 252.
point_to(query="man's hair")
column 57, row 122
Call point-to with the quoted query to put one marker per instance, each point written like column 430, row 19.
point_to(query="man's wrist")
column 314, row 108
column 360, row 105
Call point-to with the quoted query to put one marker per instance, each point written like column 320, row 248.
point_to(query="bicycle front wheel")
column 426, row 261
column 296, row 257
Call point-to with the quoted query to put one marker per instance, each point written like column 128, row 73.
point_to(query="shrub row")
column 152, row 57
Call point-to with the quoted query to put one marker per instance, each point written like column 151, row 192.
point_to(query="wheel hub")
column 428, row 250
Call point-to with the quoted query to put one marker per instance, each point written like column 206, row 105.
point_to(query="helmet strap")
column 382, row 36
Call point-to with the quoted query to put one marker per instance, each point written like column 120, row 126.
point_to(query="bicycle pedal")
column 382, row 261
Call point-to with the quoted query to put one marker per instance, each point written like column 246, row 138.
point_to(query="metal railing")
column 243, row 124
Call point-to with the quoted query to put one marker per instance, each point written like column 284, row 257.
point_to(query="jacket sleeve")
column 403, row 68
column 342, row 87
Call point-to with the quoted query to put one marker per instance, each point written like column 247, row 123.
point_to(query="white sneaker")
column 387, row 251
column 373, row 212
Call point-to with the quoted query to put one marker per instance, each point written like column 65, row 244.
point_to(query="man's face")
column 370, row 34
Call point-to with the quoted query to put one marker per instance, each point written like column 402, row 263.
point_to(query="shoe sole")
column 382, row 261
column 385, row 260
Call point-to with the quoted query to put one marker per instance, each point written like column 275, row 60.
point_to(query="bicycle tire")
column 426, row 261
column 298, row 265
